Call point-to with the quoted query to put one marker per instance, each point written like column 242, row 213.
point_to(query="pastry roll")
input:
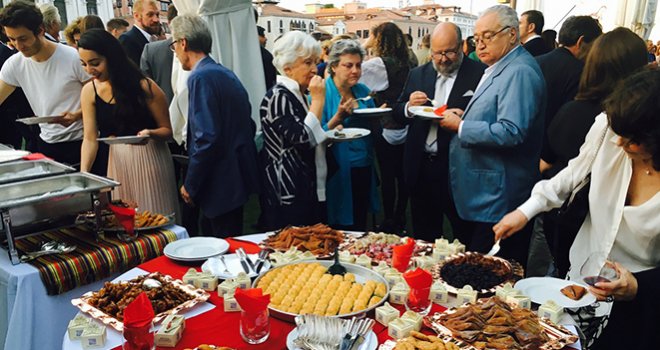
column 374, row 301
column 349, row 277
column 380, row 290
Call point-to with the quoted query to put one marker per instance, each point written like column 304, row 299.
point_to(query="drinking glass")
column 138, row 338
column 255, row 326
column 598, row 268
column 418, row 300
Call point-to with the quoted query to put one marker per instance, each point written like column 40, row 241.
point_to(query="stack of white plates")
column 7, row 155
column 196, row 248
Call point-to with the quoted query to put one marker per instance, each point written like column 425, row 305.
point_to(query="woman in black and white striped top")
column 293, row 156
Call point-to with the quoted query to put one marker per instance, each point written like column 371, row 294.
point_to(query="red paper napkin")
column 35, row 156
column 139, row 313
column 419, row 282
column 126, row 217
column 249, row 247
column 438, row 111
column 252, row 300
column 137, row 324
column 401, row 255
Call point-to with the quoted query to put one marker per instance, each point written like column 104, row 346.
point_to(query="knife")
column 243, row 260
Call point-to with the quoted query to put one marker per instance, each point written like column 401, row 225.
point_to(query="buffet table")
column 216, row 326
column 31, row 319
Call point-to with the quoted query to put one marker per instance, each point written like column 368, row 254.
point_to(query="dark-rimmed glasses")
column 172, row 45
column 487, row 37
column 450, row 55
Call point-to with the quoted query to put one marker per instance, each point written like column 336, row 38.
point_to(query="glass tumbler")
column 255, row 326
column 418, row 300
column 138, row 338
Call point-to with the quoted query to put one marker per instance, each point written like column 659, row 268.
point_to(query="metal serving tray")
column 37, row 205
column 24, row 170
column 4, row 147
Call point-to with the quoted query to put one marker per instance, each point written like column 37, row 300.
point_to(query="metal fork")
column 222, row 260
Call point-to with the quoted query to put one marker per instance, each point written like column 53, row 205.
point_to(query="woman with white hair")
column 293, row 155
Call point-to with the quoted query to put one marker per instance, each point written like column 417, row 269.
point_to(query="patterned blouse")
column 294, row 168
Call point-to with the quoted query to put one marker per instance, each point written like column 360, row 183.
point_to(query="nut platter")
column 196, row 296
column 503, row 271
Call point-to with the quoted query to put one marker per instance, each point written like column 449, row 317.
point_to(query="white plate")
column 122, row 139
column 37, row 120
column 370, row 341
column 215, row 266
column 542, row 289
column 9, row 155
column 372, row 112
column 195, row 248
column 420, row 112
column 351, row 134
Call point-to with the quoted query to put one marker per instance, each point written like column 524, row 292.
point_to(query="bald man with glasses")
column 496, row 144
column 449, row 78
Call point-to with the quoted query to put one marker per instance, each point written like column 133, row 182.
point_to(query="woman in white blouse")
column 293, row 156
column 624, row 208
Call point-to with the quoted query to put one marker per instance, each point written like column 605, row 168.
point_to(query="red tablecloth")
column 221, row 328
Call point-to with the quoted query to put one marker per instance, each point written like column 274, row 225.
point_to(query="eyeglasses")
column 172, row 45
column 487, row 37
column 450, row 55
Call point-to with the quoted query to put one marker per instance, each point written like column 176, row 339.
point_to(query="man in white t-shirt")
column 51, row 77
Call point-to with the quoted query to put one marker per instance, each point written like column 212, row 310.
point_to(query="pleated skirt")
column 146, row 174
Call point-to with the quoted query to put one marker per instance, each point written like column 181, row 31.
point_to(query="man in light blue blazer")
column 494, row 155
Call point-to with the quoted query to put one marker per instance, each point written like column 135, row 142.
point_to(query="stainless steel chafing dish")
column 36, row 205
column 23, row 170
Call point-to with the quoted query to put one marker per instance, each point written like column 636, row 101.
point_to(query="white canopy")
column 235, row 42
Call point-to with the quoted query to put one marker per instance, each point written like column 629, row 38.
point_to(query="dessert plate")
column 9, row 155
column 38, row 120
column 372, row 112
column 131, row 140
column 196, row 248
column 347, row 134
column 542, row 289
column 424, row 112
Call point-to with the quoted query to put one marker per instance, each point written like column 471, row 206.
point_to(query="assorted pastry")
column 574, row 291
column 113, row 298
column 476, row 270
column 318, row 239
column 306, row 288
column 379, row 246
column 421, row 341
column 493, row 324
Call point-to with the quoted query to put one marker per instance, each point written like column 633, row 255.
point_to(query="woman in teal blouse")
column 351, row 190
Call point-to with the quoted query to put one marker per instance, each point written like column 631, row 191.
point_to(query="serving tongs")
column 52, row 247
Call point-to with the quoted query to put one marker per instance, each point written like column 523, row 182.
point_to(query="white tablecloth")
column 29, row 317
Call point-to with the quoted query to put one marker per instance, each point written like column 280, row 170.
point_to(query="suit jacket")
column 222, row 168
column 423, row 79
column 494, row 163
column 133, row 42
column 156, row 62
column 561, row 71
column 536, row 47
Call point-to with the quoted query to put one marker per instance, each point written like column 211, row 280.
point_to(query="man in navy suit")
column 147, row 25
column 531, row 27
column 495, row 151
column 222, row 170
column 449, row 78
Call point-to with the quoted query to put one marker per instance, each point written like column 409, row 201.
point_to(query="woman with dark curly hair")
column 385, row 74
column 622, row 153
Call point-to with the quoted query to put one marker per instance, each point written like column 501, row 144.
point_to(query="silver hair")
column 194, row 30
column 50, row 14
column 343, row 47
column 506, row 16
column 293, row 45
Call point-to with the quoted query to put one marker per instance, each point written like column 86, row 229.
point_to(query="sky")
column 554, row 10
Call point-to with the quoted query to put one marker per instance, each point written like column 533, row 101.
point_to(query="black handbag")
column 571, row 216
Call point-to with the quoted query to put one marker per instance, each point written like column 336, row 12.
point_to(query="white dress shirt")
column 630, row 234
